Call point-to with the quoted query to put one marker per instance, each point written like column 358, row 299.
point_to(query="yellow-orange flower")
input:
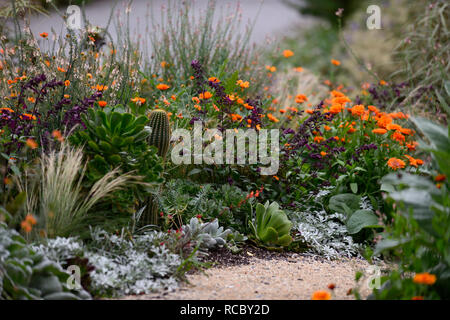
column 272, row 118
column 28, row 116
column 102, row 103
column 67, row 83
column 44, row 35
column 424, row 278
column 300, row 98
column 31, row 143
column 396, row 163
column 321, row 295
column 205, row 95
column 57, row 135
column 288, row 53
column 243, row 84
column 357, row 110
column 379, row 131
column 335, row 62
column 214, row 80
column 162, row 86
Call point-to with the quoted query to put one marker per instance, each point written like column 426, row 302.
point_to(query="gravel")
column 258, row 274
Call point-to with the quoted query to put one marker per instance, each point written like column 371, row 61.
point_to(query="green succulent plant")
column 272, row 225
column 25, row 274
column 160, row 138
column 160, row 135
column 114, row 140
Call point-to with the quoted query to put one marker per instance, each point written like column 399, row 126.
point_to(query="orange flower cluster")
column 28, row 223
column 321, row 295
column 425, row 278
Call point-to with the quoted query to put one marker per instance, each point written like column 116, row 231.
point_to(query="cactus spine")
column 160, row 138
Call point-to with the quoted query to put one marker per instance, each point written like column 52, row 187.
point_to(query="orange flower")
column 196, row 100
column 173, row 97
column 323, row 153
column 102, row 103
column 373, row 109
column 272, row 118
column 288, row 53
column 247, row 106
column 393, row 126
column 398, row 136
column 61, row 69
column 235, row 117
column 30, row 219
column 67, row 83
column 31, row 99
column 100, row 87
column 44, row 35
column 138, row 100
column 164, row 64
column 396, row 163
column 383, row 83
column 318, row 139
column 379, row 131
column 243, row 84
column 47, row 63
column 414, row 162
column 205, row 95
column 28, row 116
column 31, row 143
column 412, row 146
column 335, row 109
column 298, row 69
column 440, row 178
column 327, row 128
column 57, row 135
column 335, row 62
column 214, row 80
column 162, row 86
column 6, row 109
column 321, row 295
column 26, row 226
column 417, row 298
column 424, row 278
column 309, row 111
column 383, row 121
column 300, row 98
column 357, row 110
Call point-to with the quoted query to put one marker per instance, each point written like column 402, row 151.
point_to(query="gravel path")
column 276, row 277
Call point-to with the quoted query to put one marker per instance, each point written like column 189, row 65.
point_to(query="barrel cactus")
column 160, row 138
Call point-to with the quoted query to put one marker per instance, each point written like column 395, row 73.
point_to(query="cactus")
column 160, row 136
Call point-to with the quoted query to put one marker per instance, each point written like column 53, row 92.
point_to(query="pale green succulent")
column 272, row 225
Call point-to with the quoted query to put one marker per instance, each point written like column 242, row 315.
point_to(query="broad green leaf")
column 361, row 219
column 344, row 203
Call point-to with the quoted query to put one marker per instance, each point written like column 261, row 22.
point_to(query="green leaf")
column 361, row 219
column 437, row 135
column 345, row 203
column 354, row 187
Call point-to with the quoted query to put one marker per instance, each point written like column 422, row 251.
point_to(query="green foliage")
column 272, row 225
column 209, row 235
column 357, row 219
column 160, row 135
column 419, row 239
column 114, row 139
column 25, row 274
